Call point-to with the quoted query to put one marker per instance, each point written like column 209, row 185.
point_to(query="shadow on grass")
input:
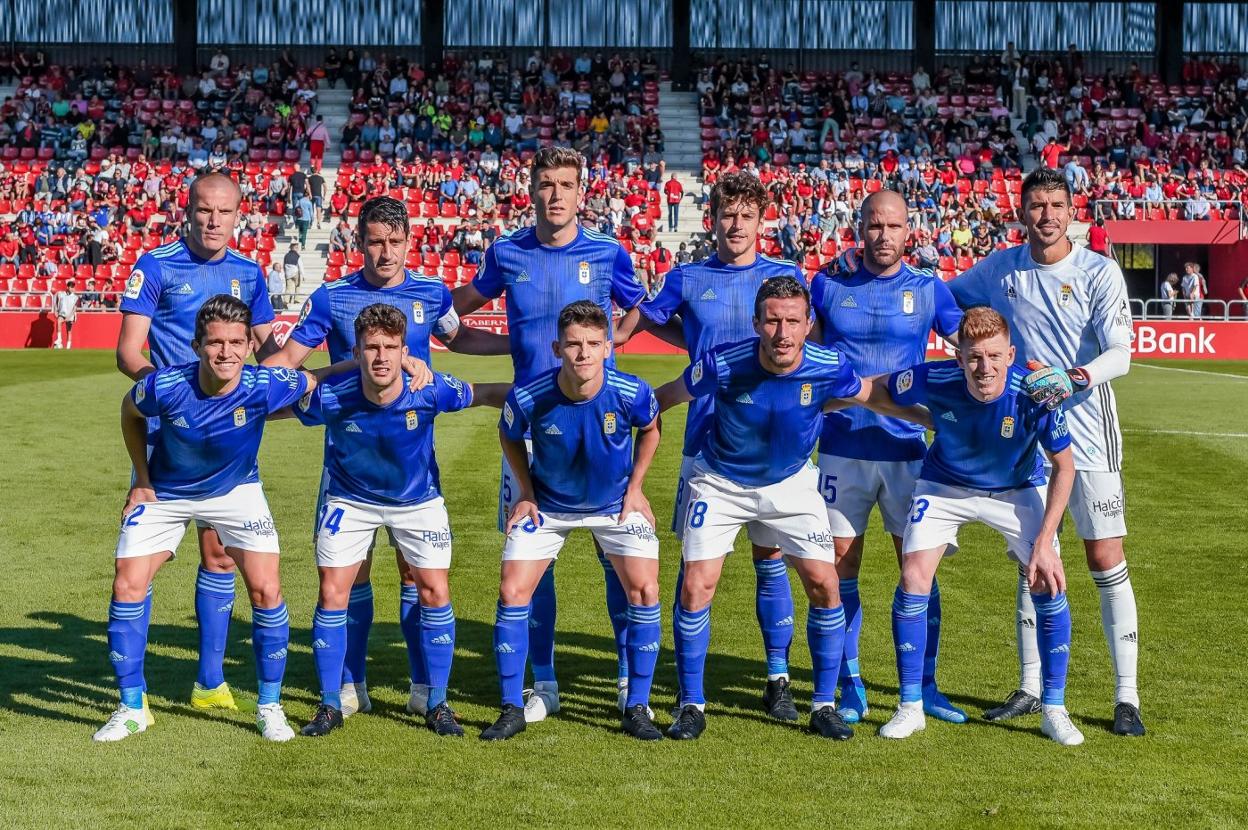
column 63, row 665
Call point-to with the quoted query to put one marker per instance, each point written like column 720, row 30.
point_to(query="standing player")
column 712, row 300
column 164, row 291
column 983, row 466
column 202, row 466
column 879, row 316
column 584, row 472
column 539, row 270
column 755, row 469
column 328, row 316
column 65, row 308
column 1068, row 310
column 382, row 473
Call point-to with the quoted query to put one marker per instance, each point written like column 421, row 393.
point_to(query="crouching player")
column 202, row 467
column 382, row 473
column 983, row 466
column 755, row 470
column 585, row 473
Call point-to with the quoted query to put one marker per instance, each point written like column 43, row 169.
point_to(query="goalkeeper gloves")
column 1051, row 386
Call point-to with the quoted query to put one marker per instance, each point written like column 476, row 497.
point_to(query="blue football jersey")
column 328, row 315
column 881, row 324
column 715, row 303
column 207, row 445
column 382, row 454
column 981, row 445
column 765, row 426
column 539, row 280
column 169, row 284
column 582, row 450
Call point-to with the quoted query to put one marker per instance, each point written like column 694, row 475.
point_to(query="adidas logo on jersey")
column 708, row 294
column 319, row 643
column 906, row 647
column 185, row 288
column 443, row 639
column 181, row 422
column 524, row 277
column 553, row 430
column 351, row 427
column 949, row 416
column 744, row 397
column 849, row 302
column 504, row 648
column 651, row 647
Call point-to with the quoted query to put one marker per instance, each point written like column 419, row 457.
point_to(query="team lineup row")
column 757, row 391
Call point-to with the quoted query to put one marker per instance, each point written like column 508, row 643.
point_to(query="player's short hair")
column 383, row 318
column 552, row 158
column 737, row 187
column 582, row 313
column 384, row 210
column 211, row 178
column 982, row 322
column 779, row 288
column 1045, row 178
column 221, row 309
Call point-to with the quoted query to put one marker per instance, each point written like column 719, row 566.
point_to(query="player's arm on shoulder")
column 672, row 393
column 468, row 298
column 130, row 358
column 489, row 394
column 308, row 333
column 266, row 342
column 466, row 339
column 876, row 395
column 700, row 379
column 1111, row 319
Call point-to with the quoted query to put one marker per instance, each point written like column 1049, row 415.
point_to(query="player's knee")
column 914, row 579
column 1103, row 554
column 435, row 595
column 511, row 594
column 696, row 593
column 760, row 552
column 129, row 587
column 216, row 560
column 266, row 594
column 645, row 593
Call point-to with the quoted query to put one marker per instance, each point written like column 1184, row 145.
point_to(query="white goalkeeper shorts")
column 1098, row 505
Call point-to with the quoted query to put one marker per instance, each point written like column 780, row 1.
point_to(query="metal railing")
column 1181, row 309
column 1110, row 208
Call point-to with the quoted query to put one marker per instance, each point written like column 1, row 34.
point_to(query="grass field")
column 64, row 476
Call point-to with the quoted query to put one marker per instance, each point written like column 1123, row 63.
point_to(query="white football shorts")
column 421, row 533
column 241, row 518
column 759, row 534
column 1098, row 505
column 791, row 510
column 938, row 511
column 508, row 492
column 633, row 537
column 851, row 487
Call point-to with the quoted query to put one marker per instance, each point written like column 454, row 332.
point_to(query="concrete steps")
column 682, row 142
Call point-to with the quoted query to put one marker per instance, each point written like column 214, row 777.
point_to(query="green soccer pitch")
column 64, row 478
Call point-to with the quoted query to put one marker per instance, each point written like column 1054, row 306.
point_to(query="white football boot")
column 908, row 720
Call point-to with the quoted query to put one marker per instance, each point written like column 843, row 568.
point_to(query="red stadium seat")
column 12, row 301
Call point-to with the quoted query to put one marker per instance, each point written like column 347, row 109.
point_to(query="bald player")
column 163, row 294
column 879, row 314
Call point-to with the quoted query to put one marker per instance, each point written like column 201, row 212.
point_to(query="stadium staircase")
column 682, row 142
column 333, row 104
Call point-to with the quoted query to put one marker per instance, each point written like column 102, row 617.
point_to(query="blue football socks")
column 437, row 629
column 511, row 649
column 642, row 636
column 270, row 636
column 359, row 623
column 329, row 650
column 545, row 610
column 214, row 603
column 773, row 604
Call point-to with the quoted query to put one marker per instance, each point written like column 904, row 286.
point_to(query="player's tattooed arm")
column 473, row 340
column 266, row 343
column 525, row 507
column 489, row 394
column 672, row 393
column 646, row 445
column 874, row 395
column 1045, row 572
column 134, row 433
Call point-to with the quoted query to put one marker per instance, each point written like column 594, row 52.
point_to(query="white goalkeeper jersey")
column 1062, row 315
